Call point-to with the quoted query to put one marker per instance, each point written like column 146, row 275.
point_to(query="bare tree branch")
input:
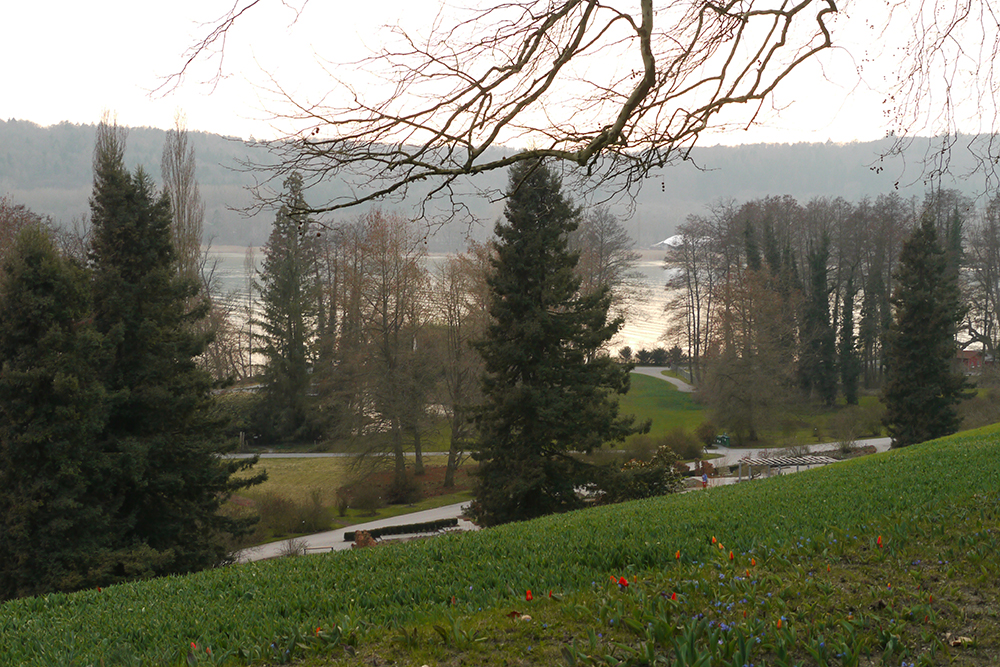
column 614, row 89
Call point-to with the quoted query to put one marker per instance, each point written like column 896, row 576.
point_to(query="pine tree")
column 922, row 388
column 286, row 327
column 169, row 480
column 55, row 511
column 547, row 391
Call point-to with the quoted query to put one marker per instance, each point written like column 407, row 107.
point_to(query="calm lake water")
column 643, row 327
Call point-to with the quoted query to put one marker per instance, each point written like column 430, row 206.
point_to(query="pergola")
column 780, row 462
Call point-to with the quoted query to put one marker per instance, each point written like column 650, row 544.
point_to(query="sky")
column 70, row 61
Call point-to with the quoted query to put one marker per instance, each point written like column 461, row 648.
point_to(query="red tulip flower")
column 623, row 582
column 528, row 596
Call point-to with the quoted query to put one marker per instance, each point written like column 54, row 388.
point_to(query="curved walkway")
column 657, row 372
column 333, row 540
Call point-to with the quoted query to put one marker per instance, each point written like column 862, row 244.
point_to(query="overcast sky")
column 70, row 60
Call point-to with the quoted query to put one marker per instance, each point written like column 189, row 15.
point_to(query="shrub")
column 404, row 492
column 641, row 447
column 980, row 410
column 367, row 498
column 638, row 479
column 343, row 500
column 278, row 515
column 314, row 516
column 683, row 444
column 660, row 357
column 706, row 432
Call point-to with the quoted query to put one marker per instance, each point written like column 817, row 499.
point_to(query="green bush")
column 641, row 447
column 638, row 479
column 683, row 444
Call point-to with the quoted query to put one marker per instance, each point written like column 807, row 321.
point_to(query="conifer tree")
column 55, row 511
column 850, row 364
column 169, row 480
column 547, row 391
column 286, row 326
column 817, row 360
column 922, row 388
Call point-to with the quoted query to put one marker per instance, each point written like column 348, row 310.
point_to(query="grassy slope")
column 650, row 398
column 936, row 499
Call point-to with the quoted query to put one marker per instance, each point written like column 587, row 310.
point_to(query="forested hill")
column 49, row 170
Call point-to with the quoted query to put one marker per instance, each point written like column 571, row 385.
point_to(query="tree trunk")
column 418, row 466
column 398, row 455
column 453, row 451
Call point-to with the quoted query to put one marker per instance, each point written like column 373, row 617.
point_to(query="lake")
column 642, row 329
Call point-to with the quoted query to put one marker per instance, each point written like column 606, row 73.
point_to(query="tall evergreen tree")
column 850, row 363
column 286, row 326
column 546, row 390
column 818, row 356
column 922, row 387
column 169, row 479
column 55, row 511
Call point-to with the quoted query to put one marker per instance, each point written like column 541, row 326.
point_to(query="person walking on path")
column 704, row 479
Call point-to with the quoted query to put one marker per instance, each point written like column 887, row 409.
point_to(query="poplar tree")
column 547, row 391
column 922, row 388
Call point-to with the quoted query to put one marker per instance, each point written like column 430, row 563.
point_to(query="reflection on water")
column 643, row 328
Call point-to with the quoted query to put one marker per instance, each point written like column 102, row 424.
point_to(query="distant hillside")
column 49, row 170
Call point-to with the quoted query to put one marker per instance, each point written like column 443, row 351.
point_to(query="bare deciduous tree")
column 462, row 298
column 14, row 218
column 181, row 185
column 607, row 258
column 615, row 89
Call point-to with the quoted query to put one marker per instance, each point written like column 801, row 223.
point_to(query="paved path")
column 333, row 540
column 731, row 456
column 657, row 372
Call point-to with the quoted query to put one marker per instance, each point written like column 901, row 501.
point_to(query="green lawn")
column 875, row 560
column 669, row 408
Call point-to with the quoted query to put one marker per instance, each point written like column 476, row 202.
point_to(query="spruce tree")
column 547, row 390
column 286, row 326
column 169, row 479
column 922, row 388
column 55, row 510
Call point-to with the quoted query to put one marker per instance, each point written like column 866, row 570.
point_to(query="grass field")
column 885, row 560
column 650, row 398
